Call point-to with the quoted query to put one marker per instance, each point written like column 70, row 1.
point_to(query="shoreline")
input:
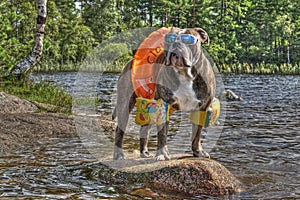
column 23, row 123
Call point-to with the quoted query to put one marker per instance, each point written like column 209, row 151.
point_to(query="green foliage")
column 43, row 92
column 244, row 35
column 67, row 40
column 10, row 42
column 108, row 57
column 115, row 54
column 101, row 16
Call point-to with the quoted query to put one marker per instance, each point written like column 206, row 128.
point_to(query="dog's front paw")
column 162, row 158
column 145, row 154
column 163, row 154
column 201, row 153
column 118, row 154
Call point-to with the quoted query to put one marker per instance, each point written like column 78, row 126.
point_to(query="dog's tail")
column 114, row 114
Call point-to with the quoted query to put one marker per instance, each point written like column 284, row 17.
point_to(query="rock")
column 229, row 95
column 144, row 193
column 22, row 124
column 22, row 129
column 13, row 104
column 108, row 125
column 50, row 107
column 19, row 130
column 183, row 174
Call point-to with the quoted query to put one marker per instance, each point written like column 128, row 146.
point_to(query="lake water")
column 259, row 142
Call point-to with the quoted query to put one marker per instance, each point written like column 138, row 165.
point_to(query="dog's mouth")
column 176, row 59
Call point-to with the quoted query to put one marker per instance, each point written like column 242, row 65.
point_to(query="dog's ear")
column 203, row 35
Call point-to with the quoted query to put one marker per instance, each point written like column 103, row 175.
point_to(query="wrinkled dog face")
column 183, row 47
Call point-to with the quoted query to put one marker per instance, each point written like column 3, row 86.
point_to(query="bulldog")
column 184, row 79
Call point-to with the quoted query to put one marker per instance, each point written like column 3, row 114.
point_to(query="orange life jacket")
column 143, row 79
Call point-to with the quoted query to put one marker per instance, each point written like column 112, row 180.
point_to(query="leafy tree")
column 101, row 16
column 14, row 38
column 247, row 33
column 68, row 41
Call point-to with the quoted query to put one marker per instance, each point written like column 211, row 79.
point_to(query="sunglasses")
column 184, row 38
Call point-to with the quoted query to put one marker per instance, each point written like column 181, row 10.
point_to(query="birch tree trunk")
column 36, row 52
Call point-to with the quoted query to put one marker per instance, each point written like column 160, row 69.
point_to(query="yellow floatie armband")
column 209, row 117
column 150, row 111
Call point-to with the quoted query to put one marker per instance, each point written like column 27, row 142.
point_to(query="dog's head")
column 183, row 46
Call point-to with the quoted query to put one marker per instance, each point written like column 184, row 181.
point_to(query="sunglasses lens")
column 188, row 39
column 170, row 38
column 185, row 38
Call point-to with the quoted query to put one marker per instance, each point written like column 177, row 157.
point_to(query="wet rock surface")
column 183, row 174
column 229, row 95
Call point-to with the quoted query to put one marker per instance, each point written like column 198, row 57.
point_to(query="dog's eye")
column 188, row 39
column 170, row 38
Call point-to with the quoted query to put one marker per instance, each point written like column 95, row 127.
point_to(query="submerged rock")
column 229, row 95
column 183, row 174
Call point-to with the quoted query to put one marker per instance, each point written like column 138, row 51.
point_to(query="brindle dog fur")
column 184, row 79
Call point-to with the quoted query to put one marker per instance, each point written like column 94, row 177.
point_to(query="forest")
column 249, row 36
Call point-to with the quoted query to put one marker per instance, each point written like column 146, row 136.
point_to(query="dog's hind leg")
column 118, row 150
column 144, row 137
column 196, row 143
column 162, row 149
column 126, row 100
column 123, row 117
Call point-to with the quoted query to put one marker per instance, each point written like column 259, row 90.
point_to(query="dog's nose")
column 176, row 44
